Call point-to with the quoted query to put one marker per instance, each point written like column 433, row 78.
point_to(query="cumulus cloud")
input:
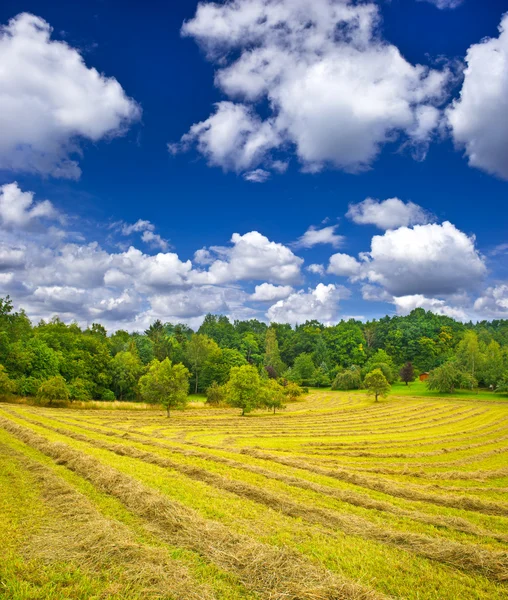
column 316, row 269
column 50, row 99
column 18, row 209
column 478, row 117
column 405, row 304
column 494, row 302
column 267, row 292
column 147, row 230
column 252, row 257
column 321, row 303
column 343, row 265
column 337, row 92
column 314, row 236
column 387, row 214
column 426, row 259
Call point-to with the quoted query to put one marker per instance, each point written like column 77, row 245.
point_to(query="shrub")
column 350, row 379
column 108, row 396
column 7, row 386
column 215, row 394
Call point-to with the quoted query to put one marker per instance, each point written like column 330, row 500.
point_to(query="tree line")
column 53, row 358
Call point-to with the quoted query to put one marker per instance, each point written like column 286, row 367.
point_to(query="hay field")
column 337, row 497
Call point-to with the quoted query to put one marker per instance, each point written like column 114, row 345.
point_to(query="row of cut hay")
column 420, row 426
column 273, row 573
column 83, row 536
column 347, row 496
column 461, row 556
column 388, row 487
column 268, row 499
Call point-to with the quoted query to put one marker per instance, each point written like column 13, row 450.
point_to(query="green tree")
column 302, row 371
column 243, row 390
column 166, row 384
column 52, row 389
column 376, row 384
column 468, row 353
column 125, row 370
column 272, row 395
column 79, row 389
column 448, row 377
column 7, row 386
column 491, row 368
column 198, row 350
column 272, row 354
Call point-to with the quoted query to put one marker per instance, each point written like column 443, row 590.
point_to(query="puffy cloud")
column 326, row 235
column 478, row 118
column 49, row 99
column 343, row 265
column 147, row 230
column 494, row 302
column 405, row 304
column 266, row 292
column 233, row 138
column 426, row 259
column 336, row 91
column 321, row 303
column 387, row 214
column 252, row 257
column 316, row 269
column 18, row 210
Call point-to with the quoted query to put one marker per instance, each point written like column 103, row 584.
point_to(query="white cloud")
column 266, row 292
column 444, row 4
column 374, row 293
column 336, row 91
column 18, row 209
column 405, row 304
column 493, row 303
column 49, row 99
column 233, row 138
column 257, row 176
column 343, row 265
column 426, row 259
column 316, row 269
column 387, row 214
column 478, row 118
column 252, row 257
column 321, row 303
column 147, row 229
column 313, row 237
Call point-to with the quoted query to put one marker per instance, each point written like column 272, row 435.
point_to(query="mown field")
column 336, row 497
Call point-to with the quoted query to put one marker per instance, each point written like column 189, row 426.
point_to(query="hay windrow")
column 274, row 573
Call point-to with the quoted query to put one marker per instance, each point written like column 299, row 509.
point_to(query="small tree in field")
column 215, row 393
column 292, row 391
column 7, row 386
column 166, row 384
column 407, row 373
column 244, row 388
column 54, row 388
column 272, row 395
column 376, row 384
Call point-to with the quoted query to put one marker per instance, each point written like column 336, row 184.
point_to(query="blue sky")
column 132, row 141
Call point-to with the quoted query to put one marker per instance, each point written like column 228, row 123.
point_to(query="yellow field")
column 336, row 497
